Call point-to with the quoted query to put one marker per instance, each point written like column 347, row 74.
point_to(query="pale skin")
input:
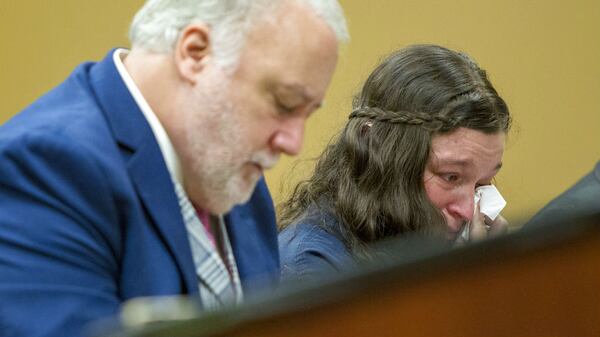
column 460, row 161
column 228, row 125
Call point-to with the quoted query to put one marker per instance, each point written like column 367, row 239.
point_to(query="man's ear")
column 192, row 51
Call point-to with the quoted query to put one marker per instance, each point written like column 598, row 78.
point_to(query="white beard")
column 218, row 150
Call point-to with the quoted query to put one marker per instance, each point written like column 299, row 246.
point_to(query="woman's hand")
column 483, row 227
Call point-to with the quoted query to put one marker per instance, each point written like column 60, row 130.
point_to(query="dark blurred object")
column 540, row 281
column 582, row 200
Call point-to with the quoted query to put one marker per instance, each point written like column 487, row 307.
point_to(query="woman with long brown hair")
column 426, row 130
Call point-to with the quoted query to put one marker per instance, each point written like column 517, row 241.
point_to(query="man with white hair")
column 141, row 175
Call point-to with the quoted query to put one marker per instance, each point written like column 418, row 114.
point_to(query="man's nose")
column 463, row 207
column 289, row 137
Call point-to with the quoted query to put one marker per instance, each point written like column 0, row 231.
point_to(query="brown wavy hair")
column 371, row 175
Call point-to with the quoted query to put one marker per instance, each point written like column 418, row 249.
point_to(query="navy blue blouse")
column 312, row 247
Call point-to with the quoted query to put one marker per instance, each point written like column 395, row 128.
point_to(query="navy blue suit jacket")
column 88, row 213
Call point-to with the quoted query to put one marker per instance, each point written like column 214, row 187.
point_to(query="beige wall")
column 43, row 40
column 543, row 57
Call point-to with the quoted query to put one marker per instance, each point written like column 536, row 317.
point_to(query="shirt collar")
column 166, row 147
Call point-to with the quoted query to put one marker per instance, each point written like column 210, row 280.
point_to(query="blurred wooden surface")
column 551, row 292
column 536, row 283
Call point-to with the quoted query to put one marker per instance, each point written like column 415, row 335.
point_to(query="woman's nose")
column 463, row 206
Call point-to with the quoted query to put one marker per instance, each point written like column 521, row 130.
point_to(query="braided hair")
column 431, row 122
column 371, row 174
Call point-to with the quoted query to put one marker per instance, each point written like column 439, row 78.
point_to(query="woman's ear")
column 193, row 51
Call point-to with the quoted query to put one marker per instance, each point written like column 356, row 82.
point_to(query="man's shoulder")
column 65, row 108
column 597, row 171
column 67, row 117
column 578, row 201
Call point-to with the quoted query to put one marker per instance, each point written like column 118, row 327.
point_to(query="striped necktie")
column 218, row 279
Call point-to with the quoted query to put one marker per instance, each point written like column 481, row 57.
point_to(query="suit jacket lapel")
column 253, row 236
column 144, row 163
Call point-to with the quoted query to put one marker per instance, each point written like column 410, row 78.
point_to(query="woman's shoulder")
column 313, row 246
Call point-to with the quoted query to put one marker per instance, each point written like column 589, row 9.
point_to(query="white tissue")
column 490, row 202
